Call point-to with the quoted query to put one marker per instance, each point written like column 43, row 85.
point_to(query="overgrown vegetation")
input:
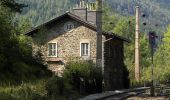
column 79, row 78
column 17, row 63
column 18, row 69
column 84, row 76
column 25, row 91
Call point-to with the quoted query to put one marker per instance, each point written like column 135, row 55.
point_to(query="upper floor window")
column 85, row 49
column 68, row 26
column 52, row 49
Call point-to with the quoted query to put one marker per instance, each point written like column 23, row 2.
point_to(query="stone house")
column 73, row 35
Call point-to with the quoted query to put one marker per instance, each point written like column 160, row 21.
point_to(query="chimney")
column 86, row 11
column 81, row 10
column 92, row 13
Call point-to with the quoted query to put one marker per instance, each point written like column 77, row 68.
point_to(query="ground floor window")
column 85, row 49
column 52, row 49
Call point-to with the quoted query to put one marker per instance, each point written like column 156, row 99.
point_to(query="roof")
column 77, row 18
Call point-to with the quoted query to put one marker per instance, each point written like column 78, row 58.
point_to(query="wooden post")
column 137, row 67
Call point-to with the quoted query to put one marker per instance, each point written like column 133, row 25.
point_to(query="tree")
column 16, row 7
column 16, row 61
column 126, row 27
column 161, row 61
column 162, row 58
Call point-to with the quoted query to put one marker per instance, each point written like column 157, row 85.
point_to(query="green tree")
column 162, row 58
column 24, row 25
column 126, row 27
column 12, row 5
column 16, row 61
column 161, row 61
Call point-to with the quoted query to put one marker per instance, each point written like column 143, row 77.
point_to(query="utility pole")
column 99, row 53
column 137, row 67
column 99, row 33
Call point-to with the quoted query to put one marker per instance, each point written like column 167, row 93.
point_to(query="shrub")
column 84, row 76
column 79, row 78
column 59, row 88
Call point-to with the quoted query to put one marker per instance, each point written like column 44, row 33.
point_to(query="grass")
column 25, row 91
column 30, row 91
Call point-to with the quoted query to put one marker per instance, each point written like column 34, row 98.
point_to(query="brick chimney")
column 86, row 11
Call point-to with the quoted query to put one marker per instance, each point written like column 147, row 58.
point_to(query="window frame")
column 85, row 49
column 56, row 49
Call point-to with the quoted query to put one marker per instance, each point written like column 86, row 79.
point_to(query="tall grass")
column 25, row 91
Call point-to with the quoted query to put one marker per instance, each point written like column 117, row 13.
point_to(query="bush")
column 17, row 63
column 20, row 71
column 79, row 78
column 59, row 88
column 84, row 76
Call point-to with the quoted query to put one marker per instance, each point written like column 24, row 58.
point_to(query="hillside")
column 39, row 11
column 157, row 11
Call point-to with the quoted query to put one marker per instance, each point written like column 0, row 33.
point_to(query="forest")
column 24, row 77
column 156, row 11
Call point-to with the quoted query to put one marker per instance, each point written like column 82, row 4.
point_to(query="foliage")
column 79, row 77
column 162, row 57
column 109, row 18
column 24, row 25
column 40, row 11
column 20, row 66
column 156, row 11
column 17, row 63
column 84, row 76
column 125, row 26
column 59, row 88
column 14, row 6
column 25, row 91
column 41, row 37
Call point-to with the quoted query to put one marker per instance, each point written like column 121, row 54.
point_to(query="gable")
column 70, row 16
column 58, row 30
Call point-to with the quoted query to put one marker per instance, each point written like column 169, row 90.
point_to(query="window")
column 52, row 49
column 85, row 49
column 68, row 26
